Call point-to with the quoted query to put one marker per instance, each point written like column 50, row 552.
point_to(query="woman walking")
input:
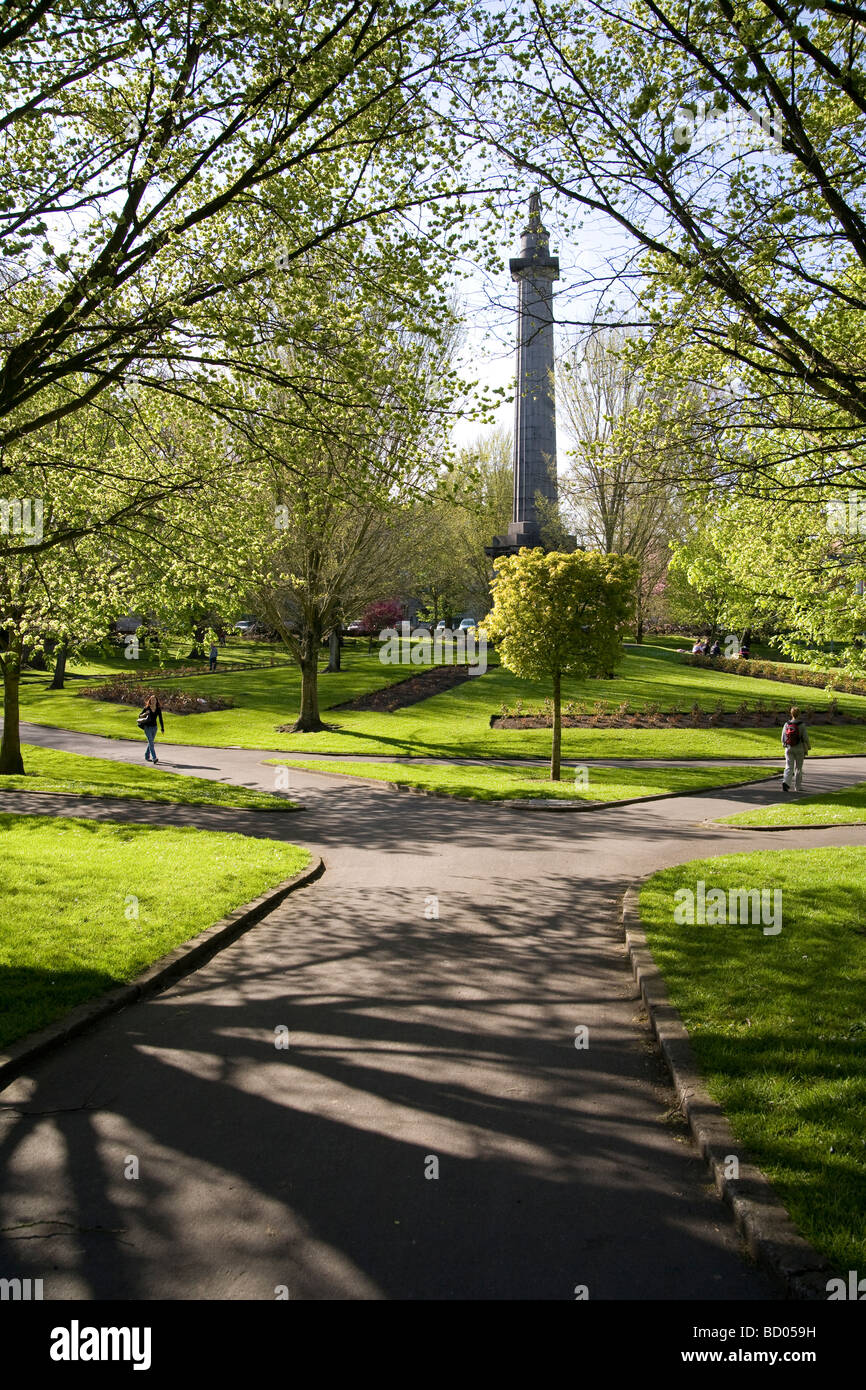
column 147, row 721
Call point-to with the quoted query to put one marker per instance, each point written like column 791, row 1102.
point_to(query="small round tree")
column 378, row 616
column 557, row 614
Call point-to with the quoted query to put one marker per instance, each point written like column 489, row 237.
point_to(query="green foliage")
column 556, row 613
column 446, row 533
column 155, row 162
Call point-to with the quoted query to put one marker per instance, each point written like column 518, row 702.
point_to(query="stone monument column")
column 535, row 408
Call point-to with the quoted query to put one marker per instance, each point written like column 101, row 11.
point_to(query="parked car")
column 245, row 627
column 356, row 628
column 467, row 625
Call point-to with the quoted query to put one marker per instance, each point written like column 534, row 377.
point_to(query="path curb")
column 527, row 803
column 183, row 960
column 289, row 808
column 771, row 1236
column 776, row 829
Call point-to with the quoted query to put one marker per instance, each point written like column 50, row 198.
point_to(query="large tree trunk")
column 197, row 649
column 308, row 720
column 60, row 666
column 335, row 642
column 10, row 746
column 557, row 729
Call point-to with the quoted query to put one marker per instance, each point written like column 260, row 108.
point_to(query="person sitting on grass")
column 795, row 741
column 147, row 721
column 715, row 649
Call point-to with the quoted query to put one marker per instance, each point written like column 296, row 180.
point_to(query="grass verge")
column 457, row 723
column 514, row 783
column 77, row 775
column 846, row 807
column 777, row 1026
column 88, row 905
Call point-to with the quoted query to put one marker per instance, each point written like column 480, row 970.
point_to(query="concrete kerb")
column 163, row 972
column 289, row 808
column 538, row 804
column 770, row 1235
column 770, row 829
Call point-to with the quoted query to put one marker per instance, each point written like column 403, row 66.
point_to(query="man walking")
column 795, row 741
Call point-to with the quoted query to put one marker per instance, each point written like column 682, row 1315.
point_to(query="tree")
column 446, row 533
column 348, row 428
column 558, row 614
column 88, row 479
column 788, row 564
column 701, row 591
column 725, row 145
column 378, row 616
column 44, row 601
column 621, row 427
column 150, row 152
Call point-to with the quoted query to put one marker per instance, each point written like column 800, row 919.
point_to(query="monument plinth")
column 535, row 407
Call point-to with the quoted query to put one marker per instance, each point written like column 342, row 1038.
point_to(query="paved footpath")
column 412, row 1038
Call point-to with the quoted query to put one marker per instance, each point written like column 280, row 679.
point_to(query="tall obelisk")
column 534, row 409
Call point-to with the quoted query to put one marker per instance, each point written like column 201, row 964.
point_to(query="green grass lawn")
column 98, row 661
column 69, row 885
column 846, row 807
column 509, row 783
column 777, row 1024
column 50, row 771
column 457, row 723
column 761, row 651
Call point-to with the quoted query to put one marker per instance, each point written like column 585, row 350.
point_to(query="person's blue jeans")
column 150, row 735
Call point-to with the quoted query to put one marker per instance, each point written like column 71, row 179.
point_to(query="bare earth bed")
column 411, row 691
column 730, row 719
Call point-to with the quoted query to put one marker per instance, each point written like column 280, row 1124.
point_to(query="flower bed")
column 601, row 716
column 778, row 671
column 122, row 691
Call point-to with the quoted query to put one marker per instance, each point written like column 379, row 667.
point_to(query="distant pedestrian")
column 147, row 721
column 212, row 655
column 795, row 741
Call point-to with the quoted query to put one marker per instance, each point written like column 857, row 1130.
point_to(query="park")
column 433, row 755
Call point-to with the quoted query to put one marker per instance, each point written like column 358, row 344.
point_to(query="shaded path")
column 411, row 1037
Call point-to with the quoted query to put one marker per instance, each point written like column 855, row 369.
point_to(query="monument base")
column 520, row 534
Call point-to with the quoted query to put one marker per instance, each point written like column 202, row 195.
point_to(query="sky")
column 490, row 307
